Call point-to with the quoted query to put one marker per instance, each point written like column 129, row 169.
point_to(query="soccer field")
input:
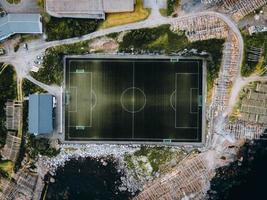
column 154, row 100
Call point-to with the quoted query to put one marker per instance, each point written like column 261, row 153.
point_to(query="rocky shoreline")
column 102, row 152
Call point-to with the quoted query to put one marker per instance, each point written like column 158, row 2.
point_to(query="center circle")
column 133, row 100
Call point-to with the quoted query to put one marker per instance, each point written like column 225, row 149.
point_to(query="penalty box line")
column 180, row 127
column 191, row 92
column 76, row 89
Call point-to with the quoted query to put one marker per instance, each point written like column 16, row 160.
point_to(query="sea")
column 245, row 179
column 87, row 179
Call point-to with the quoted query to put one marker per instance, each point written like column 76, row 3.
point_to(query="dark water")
column 247, row 181
column 86, row 179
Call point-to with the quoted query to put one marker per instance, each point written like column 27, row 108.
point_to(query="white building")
column 92, row 9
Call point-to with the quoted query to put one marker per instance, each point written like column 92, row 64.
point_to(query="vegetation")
column 62, row 28
column 257, row 40
column 6, row 168
column 115, row 19
column 53, row 62
column 30, row 88
column 40, row 146
column 8, row 85
column 161, row 38
column 13, row 1
column 215, row 48
column 155, row 157
column 163, row 11
column 171, row 4
column 154, row 39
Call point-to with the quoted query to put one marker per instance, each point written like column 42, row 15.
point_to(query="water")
column 246, row 181
column 87, row 179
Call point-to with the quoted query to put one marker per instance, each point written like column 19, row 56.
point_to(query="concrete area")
column 25, row 6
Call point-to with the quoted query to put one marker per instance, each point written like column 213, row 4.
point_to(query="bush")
column 171, row 5
column 154, row 39
column 52, row 71
column 259, row 41
column 8, row 85
column 40, row 146
column 161, row 38
column 215, row 48
column 62, row 28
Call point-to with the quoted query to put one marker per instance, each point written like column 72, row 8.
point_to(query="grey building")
column 40, row 114
column 94, row 9
column 20, row 23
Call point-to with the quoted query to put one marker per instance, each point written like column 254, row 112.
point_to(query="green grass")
column 163, row 11
column 260, row 41
column 6, row 168
column 154, row 39
column 13, row 1
column 114, row 19
column 156, row 157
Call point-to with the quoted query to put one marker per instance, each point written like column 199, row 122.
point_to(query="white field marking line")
column 91, row 103
column 171, row 99
column 127, row 139
column 176, row 103
column 133, row 100
column 175, row 100
column 76, row 95
column 90, row 125
column 191, row 91
column 80, row 72
column 86, row 138
column 197, row 97
column 122, row 102
column 194, row 61
column 186, row 73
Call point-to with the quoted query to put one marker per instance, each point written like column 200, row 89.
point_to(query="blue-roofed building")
column 20, row 23
column 40, row 114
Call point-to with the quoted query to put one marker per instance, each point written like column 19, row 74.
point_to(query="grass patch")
column 116, row 19
column 258, row 40
column 13, row 1
column 6, row 168
column 156, row 157
column 154, row 39
column 163, row 12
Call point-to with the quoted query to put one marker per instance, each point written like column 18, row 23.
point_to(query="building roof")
column 40, row 113
column 19, row 23
column 111, row 6
column 87, row 8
